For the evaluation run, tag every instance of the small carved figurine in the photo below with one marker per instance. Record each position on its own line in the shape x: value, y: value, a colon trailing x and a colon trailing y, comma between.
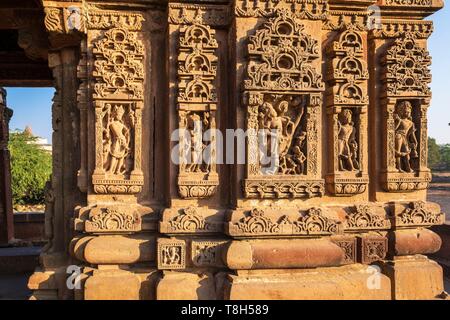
x: 405, y: 137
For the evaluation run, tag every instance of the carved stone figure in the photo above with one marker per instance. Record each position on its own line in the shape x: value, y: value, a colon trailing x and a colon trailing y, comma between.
x: 405, y: 137
x: 348, y: 147
x: 117, y: 140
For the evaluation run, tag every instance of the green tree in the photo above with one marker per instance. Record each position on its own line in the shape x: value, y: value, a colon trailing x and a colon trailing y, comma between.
x: 445, y: 156
x: 434, y: 153
x: 31, y: 167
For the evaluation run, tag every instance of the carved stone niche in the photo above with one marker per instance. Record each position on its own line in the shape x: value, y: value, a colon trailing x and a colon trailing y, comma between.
x: 314, y: 222
x: 197, y: 106
x: 171, y: 254
x: 283, y: 97
x: 407, y: 98
x: 118, y: 99
x: 347, y: 103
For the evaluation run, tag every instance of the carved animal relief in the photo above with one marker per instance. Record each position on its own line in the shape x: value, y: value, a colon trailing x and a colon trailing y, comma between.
x: 283, y: 98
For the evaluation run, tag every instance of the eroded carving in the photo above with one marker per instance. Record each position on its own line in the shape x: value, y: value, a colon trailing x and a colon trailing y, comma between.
x: 171, y: 254
x: 112, y: 220
x: 419, y: 214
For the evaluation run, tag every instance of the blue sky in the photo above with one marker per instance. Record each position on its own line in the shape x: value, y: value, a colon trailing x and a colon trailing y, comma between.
x: 32, y: 106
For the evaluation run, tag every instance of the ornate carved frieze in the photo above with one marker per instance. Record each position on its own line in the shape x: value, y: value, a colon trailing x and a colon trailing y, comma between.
x: 255, y: 223
x: 190, y: 220
x: 406, y: 82
x: 212, y: 15
x: 372, y: 249
x: 197, y: 106
x: 422, y: 29
x: 171, y: 254
x: 118, y: 76
x: 283, y: 96
x: 301, y: 9
x: 417, y: 214
x: 364, y: 217
x: 114, y: 219
x: 105, y: 19
x: 347, y: 102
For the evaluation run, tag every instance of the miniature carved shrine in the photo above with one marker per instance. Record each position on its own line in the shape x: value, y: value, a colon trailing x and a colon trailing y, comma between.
x: 318, y: 193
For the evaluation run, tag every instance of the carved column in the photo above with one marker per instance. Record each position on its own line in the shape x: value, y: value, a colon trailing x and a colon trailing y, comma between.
x: 6, y: 210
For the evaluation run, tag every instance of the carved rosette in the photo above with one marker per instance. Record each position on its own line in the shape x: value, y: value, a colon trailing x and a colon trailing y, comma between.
x: 197, y: 107
x: 283, y: 96
x: 255, y: 223
x: 372, y: 249
x: 406, y: 82
x: 347, y: 102
x: 118, y: 74
x: 349, y: 246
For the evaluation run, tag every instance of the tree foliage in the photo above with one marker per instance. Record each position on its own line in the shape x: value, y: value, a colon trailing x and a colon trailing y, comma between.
x: 31, y: 168
x: 434, y: 153
x: 438, y: 155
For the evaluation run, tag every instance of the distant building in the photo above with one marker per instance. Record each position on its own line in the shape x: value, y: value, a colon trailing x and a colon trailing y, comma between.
x: 41, y: 142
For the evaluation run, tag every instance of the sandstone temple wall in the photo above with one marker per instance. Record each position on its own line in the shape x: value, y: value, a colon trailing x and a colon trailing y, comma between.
x: 345, y: 88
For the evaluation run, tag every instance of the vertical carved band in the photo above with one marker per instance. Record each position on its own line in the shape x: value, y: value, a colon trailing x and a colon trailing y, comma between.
x: 197, y: 106
x: 347, y: 102
x: 118, y: 74
x: 407, y: 97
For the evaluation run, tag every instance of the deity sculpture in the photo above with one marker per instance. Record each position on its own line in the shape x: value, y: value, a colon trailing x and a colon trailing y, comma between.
x: 279, y: 130
x: 196, y: 126
x: 347, y: 145
x: 171, y: 255
x: 117, y: 135
x: 405, y: 137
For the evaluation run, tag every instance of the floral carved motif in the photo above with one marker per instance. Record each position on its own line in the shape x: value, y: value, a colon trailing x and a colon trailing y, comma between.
x: 111, y: 220
x: 418, y: 214
x: 256, y: 223
x: 118, y: 98
x: 197, y: 105
x: 189, y: 220
x: 372, y: 249
x: 282, y: 93
x: 363, y: 217
x: 348, y: 245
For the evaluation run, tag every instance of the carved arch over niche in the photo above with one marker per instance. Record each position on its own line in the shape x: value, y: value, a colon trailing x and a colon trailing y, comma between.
x: 283, y: 97
x: 407, y: 98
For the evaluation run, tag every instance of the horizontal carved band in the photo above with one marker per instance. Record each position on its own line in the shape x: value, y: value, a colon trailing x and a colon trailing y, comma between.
x: 264, y: 189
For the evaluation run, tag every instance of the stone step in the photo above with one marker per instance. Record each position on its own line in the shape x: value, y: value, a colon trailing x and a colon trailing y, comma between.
x: 16, y: 260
